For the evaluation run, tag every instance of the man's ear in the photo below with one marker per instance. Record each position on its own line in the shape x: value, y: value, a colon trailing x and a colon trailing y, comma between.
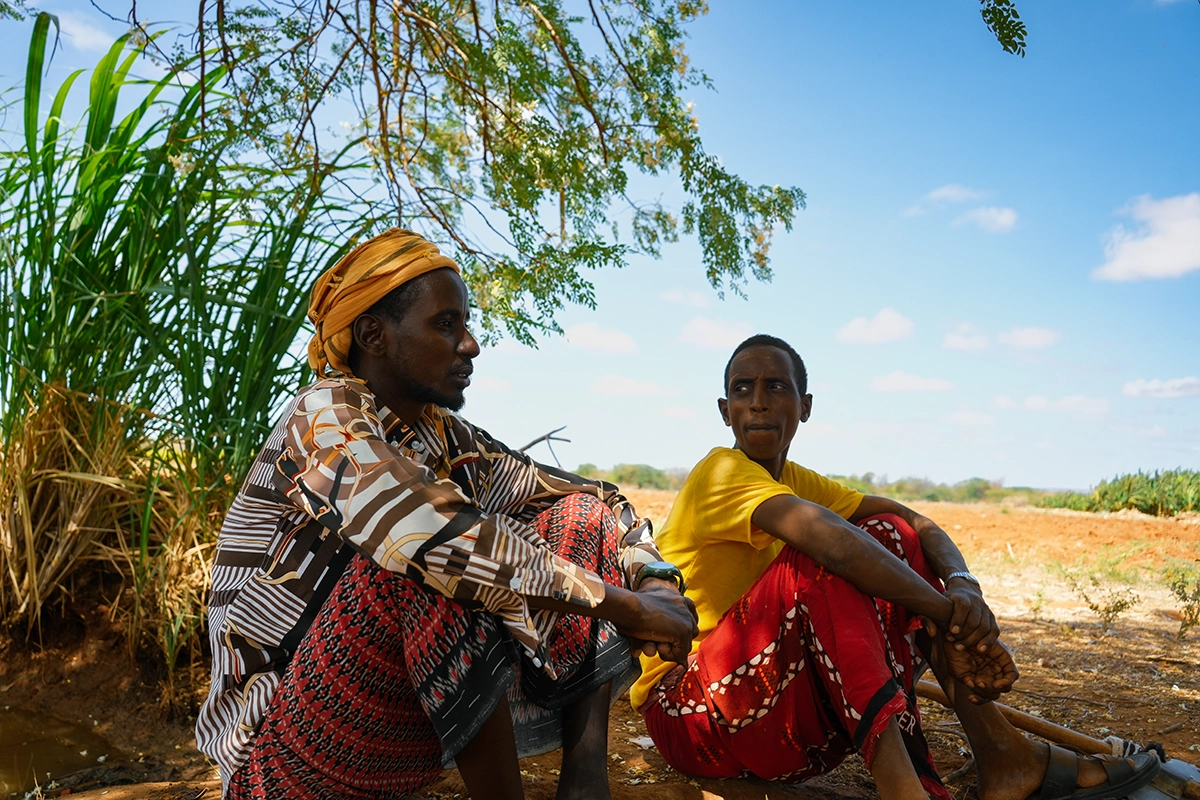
x: 368, y: 334
x: 723, y: 405
x: 805, y: 407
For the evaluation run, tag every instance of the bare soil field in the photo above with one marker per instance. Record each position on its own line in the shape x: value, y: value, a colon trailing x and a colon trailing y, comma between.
x: 1137, y: 680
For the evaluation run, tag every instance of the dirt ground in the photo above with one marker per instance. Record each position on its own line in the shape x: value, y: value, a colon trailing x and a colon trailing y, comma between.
x: 1136, y: 681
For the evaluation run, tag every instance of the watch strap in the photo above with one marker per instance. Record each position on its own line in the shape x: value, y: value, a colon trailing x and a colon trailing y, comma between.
x: 663, y: 570
x: 962, y: 573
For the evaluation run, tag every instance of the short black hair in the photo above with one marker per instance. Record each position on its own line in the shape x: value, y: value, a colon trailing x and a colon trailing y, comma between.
x: 799, y: 373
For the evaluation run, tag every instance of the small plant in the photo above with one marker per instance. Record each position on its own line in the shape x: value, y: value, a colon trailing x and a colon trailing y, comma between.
x: 1107, y: 603
x: 1184, y: 582
x: 1036, y: 604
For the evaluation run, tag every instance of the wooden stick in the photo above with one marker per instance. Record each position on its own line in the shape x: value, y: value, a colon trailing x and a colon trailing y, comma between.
x: 1027, y: 722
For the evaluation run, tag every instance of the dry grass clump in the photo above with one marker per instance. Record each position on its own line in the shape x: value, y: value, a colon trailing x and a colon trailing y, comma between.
x: 155, y: 286
x: 66, y: 480
x: 80, y: 495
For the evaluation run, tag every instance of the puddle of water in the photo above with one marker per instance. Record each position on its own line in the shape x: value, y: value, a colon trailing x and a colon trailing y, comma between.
x: 35, y: 749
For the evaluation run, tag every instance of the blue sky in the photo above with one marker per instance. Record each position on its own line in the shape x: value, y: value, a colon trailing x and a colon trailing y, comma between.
x: 997, y: 275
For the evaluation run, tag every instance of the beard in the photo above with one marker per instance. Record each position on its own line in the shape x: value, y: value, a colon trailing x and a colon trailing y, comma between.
x: 453, y: 400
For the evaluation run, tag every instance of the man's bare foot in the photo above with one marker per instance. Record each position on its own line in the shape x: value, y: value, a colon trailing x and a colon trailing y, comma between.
x: 1009, y: 765
x: 1019, y: 782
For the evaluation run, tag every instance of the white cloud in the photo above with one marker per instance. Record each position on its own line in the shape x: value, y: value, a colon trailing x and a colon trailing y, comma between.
x: 1004, y: 402
x: 1090, y: 407
x: 490, y: 384
x: 903, y: 382
x: 684, y: 298
x: 971, y: 419
x: 889, y: 325
x: 990, y: 218
x: 1166, y: 243
x: 1173, y: 387
x: 716, y: 333
x: 946, y: 195
x: 84, y: 32
x: 591, y: 336
x: 966, y: 337
x: 1032, y: 338
x: 680, y: 412
x: 628, y: 387
x: 954, y: 193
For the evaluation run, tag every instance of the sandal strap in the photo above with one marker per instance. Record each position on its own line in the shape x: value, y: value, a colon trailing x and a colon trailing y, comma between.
x: 1062, y: 771
x: 1118, y: 770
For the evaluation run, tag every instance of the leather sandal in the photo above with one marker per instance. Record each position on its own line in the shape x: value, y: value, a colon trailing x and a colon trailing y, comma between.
x: 1125, y: 775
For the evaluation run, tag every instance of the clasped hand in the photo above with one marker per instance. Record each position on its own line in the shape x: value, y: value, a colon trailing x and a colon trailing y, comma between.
x: 666, y: 623
x: 972, y: 624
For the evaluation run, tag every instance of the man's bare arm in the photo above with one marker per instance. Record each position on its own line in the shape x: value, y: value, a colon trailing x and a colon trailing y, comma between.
x: 972, y: 623
x: 850, y: 553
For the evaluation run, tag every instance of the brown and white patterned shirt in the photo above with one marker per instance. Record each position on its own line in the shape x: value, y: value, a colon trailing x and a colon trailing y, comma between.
x: 440, y: 502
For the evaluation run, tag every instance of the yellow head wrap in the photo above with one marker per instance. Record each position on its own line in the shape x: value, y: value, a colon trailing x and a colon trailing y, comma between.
x: 354, y: 284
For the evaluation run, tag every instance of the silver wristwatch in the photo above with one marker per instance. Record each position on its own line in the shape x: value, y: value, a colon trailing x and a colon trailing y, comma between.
x: 962, y: 573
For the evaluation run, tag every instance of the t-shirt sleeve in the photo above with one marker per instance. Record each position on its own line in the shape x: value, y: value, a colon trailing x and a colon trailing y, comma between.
x: 816, y: 488
x: 729, y: 490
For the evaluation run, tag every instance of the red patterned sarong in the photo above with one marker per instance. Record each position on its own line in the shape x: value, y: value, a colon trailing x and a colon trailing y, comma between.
x: 391, y: 681
x: 803, y: 670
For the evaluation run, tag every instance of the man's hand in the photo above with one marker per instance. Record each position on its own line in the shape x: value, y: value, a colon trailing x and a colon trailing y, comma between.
x: 972, y: 624
x: 986, y: 673
x: 664, y: 621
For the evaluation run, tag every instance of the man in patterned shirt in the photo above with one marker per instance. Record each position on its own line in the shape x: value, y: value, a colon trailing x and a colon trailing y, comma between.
x: 394, y: 590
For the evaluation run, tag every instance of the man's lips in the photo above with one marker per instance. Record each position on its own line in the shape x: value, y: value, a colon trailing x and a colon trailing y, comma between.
x: 462, y: 374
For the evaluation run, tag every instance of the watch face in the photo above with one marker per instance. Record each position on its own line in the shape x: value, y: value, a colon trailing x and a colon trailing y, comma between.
x: 663, y: 570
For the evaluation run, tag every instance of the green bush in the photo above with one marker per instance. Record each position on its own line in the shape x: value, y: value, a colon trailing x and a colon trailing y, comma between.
x: 1106, y: 602
x: 1162, y: 494
x: 1184, y: 582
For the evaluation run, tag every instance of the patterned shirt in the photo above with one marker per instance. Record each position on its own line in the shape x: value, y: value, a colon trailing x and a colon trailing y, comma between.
x: 440, y: 502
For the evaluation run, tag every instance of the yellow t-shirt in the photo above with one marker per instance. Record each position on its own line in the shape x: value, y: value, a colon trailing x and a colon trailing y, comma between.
x: 708, y: 535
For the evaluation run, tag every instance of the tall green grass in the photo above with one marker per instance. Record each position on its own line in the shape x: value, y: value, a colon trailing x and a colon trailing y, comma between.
x: 1162, y: 494
x: 156, y: 283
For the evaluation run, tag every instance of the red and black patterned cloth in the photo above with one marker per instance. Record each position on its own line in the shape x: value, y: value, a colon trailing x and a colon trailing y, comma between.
x: 440, y: 502
x: 392, y: 680
x: 803, y: 670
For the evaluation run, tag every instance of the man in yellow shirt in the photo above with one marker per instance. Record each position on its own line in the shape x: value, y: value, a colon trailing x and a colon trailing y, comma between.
x: 817, y: 605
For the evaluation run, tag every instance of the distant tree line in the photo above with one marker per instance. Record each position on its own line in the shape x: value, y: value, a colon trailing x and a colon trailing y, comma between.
x: 643, y: 476
x: 972, y: 490
x: 1164, y: 493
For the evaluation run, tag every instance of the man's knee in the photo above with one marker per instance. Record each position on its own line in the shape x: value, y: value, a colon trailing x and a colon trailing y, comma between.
x: 587, y: 506
x: 892, y: 531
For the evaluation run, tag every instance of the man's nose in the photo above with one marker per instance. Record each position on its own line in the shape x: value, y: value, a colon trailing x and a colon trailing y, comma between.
x: 468, y: 346
x: 758, y: 401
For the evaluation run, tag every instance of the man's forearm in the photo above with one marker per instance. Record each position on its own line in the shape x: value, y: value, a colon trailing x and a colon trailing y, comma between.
x: 940, y: 551
x: 849, y: 553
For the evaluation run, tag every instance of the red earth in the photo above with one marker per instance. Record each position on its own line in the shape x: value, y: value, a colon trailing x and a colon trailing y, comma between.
x: 1138, y: 680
